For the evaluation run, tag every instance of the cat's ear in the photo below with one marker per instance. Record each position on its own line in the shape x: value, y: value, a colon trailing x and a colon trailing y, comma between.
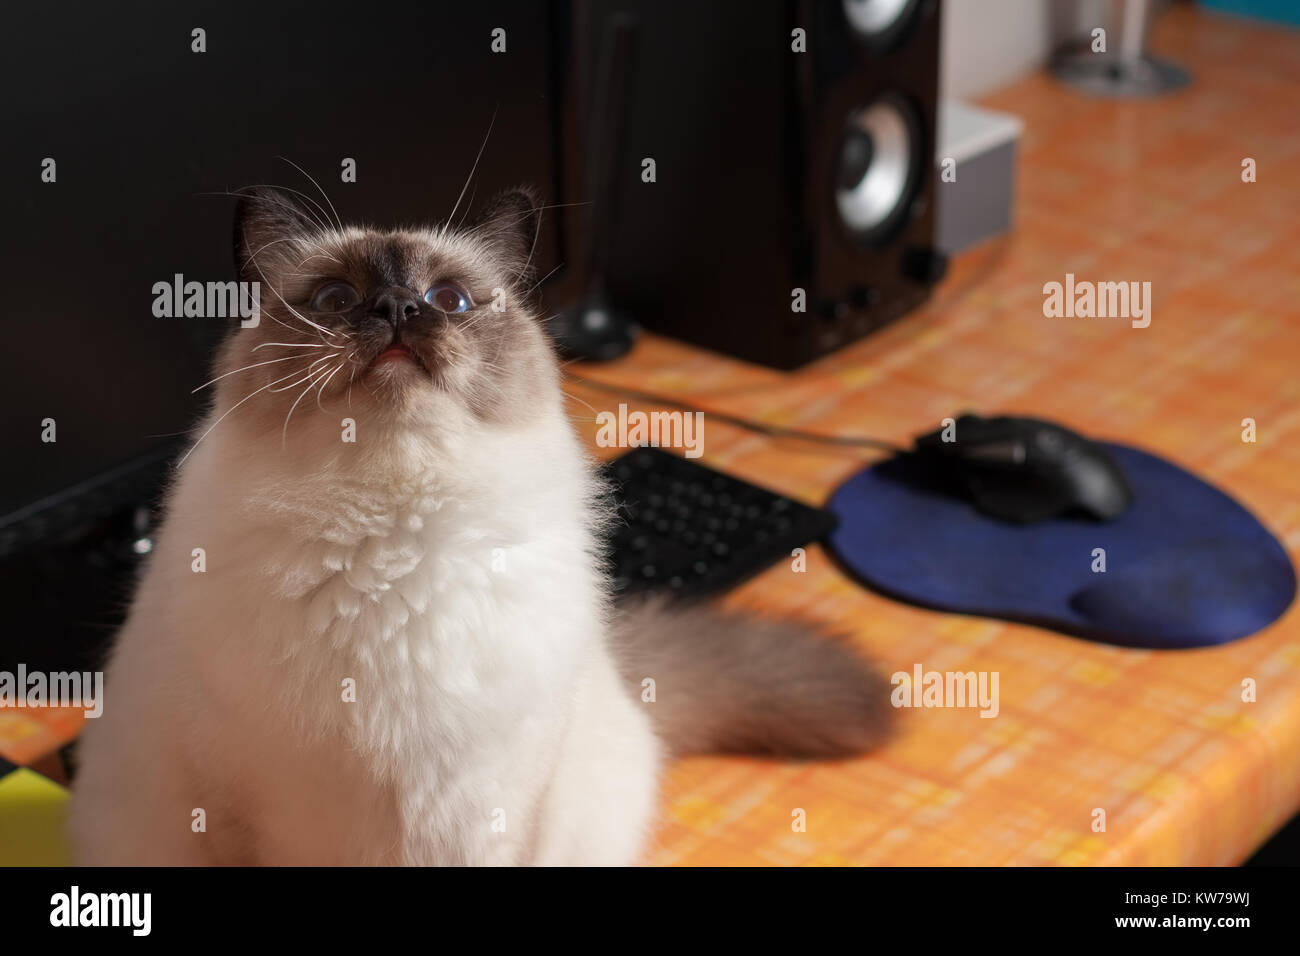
x: 510, y: 226
x: 264, y: 217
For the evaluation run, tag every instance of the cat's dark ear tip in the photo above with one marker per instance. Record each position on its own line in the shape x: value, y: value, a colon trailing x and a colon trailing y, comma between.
x: 264, y: 214
x: 268, y: 201
x: 511, y: 210
x: 525, y: 197
x: 251, y: 204
x: 511, y: 223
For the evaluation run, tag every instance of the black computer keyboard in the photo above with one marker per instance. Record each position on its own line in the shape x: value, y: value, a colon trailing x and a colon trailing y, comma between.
x: 688, y: 530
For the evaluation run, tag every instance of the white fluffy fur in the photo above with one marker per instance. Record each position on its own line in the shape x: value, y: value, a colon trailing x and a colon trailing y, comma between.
x: 489, y: 725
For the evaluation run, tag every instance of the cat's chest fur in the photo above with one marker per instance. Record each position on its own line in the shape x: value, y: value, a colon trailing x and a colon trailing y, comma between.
x: 419, y: 644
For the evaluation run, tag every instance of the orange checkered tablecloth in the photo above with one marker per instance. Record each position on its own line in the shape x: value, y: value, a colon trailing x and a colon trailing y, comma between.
x: 1186, y: 772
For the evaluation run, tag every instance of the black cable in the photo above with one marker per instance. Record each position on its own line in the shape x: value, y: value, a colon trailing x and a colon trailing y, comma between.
x: 772, y: 431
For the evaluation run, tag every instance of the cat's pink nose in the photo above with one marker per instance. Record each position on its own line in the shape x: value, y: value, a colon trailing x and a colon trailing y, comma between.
x: 394, y: 304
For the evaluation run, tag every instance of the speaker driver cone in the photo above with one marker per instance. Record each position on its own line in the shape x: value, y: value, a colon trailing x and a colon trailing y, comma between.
x: 879, y: 23
x: 878, y: 168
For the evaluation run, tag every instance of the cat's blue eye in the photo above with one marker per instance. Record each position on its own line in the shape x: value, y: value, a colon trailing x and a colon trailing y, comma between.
x: 448, y: 297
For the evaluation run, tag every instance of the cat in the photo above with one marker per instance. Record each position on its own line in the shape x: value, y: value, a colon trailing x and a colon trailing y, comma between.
x: 375, y: 627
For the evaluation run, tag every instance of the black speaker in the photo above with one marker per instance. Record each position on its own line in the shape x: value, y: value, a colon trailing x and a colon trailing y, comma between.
x: 773, y: 188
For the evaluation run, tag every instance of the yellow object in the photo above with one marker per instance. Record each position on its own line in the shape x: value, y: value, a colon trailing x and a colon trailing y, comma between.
x: 32, y: 816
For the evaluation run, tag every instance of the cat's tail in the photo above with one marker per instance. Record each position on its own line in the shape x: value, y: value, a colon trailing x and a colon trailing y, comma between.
x: 731, y: 683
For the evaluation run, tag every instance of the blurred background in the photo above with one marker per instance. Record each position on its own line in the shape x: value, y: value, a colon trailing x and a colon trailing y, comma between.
x: 828, y: 225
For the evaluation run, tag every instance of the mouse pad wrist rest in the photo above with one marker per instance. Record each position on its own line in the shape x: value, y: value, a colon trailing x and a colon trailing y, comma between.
x: 1185, y: 565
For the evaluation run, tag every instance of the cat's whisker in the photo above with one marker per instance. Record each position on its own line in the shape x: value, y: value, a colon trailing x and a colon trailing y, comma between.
x: 322, y: 254
x: 243, y: 191
x: 541, y: 280
x: 296, y: 345
x: 310, y: 370
x: 533, y: 248
x: 323, y: 342
x: 253, y: 260
x: 593, y: 410
x: 522, y: 216
x: 231, y: 409
x: 475, y: 321
x: 320, y: 221
x: 472, y: 169
x: 473, y: 193
x: 245, y: 369
x: 284, y: 325
x: 293, y: 311
x: 312, y: 381
x: 321, y: 389
x: 324, y: 195
x: 319, y: 328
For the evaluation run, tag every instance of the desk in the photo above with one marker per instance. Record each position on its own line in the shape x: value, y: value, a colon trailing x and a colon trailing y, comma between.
x: 1186, y: 772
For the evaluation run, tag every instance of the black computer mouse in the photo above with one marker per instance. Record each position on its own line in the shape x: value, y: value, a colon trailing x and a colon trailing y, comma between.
x: 1025, y: 469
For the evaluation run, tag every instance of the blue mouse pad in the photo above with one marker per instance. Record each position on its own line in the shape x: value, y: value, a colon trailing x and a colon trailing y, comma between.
x: 1185, y: 565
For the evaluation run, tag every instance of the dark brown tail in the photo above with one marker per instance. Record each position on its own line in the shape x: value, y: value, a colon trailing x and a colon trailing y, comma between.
x: 727, y: 683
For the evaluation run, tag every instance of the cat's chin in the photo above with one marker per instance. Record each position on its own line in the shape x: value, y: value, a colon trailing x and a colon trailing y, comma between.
x: 397, y: 371
x: 395, y: 366
x: 405, y: 386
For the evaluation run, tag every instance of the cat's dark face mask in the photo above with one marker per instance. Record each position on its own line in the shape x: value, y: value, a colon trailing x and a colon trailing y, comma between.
x: 389, y: 319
